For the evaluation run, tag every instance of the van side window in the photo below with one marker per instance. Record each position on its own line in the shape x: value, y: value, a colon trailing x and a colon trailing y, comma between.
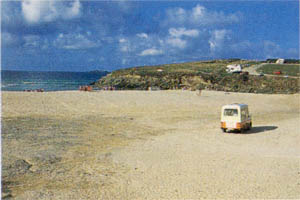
x: 230, y: 112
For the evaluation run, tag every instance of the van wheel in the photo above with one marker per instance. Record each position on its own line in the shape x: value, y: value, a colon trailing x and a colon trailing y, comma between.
x: 224, y: 130
x: 249, y: 127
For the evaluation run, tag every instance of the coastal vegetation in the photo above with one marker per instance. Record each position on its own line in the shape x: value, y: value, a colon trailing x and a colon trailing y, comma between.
x: 286, y: 69
x: 210, y: 75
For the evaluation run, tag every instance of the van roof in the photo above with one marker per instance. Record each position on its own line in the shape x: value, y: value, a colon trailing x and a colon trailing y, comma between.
x: 235, y: 105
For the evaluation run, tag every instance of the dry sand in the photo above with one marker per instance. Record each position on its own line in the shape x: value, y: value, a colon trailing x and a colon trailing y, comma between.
x: 147, y: 145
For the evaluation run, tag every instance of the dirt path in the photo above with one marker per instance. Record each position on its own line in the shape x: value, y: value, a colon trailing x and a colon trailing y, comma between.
x: 252, y: 69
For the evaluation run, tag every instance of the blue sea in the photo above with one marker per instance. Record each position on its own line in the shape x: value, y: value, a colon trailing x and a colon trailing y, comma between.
x: 49, y: 81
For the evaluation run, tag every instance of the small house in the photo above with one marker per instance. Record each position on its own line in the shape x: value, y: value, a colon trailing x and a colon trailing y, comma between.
x: 234, y: 68
x: 280, y: 61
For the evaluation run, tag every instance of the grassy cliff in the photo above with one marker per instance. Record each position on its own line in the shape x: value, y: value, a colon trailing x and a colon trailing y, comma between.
x: 197, y: 75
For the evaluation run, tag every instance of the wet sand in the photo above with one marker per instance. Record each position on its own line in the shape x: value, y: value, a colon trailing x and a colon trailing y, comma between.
x: 147, y: 145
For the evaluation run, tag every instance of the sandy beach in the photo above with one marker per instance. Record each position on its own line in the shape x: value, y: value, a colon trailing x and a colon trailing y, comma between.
x: 147, y: 145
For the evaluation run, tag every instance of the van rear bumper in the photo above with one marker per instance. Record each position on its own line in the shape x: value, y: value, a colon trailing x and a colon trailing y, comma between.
x: 231, y: 125
x: 235, y: 126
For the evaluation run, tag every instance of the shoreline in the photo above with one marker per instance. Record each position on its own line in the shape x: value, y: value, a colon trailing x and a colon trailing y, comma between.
x: 171, y: 90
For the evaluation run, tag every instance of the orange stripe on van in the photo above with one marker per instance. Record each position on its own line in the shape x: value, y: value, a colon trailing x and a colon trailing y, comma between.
x: 239, y: 125
x: 223, y: 124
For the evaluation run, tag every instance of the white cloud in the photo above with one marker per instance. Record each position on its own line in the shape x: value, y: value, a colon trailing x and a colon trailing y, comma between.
x: 151, y: 52
x: 198, y: 16
x: 73, y: 10
x: 31, y: 41
x: 8, y: 39
x: 178, y: 15
x: 175, y: 37
x: 27, y: 41
x: 125, y: 48
x: 45, y: 44
x: 142, y: 35
x: 241, y: 45
x: 74, y: 41
x: 271, y: 49
x: 198, y: 12
x: 125, y: 45
x: 35, y: 11
x: 218, y: 37
x: 125, y: 61
x: 183, y: 32
x: 122, y: 40
x: 176, y: 42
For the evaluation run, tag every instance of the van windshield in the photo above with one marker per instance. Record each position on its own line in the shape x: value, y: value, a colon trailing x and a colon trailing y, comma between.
x: 230, y: 112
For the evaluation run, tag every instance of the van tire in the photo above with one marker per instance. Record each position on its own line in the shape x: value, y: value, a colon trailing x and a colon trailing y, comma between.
x: 249, y: 126
x: 224, y: 130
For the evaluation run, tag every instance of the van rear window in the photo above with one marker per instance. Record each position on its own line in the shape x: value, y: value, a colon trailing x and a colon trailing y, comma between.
x: 230, y: 112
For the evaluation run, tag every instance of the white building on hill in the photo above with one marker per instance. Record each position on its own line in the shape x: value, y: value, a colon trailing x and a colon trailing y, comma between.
x: 280, y: 61
x: 234, y: 68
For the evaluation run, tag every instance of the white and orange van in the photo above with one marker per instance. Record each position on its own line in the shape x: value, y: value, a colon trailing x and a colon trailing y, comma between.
x: 235, y: 117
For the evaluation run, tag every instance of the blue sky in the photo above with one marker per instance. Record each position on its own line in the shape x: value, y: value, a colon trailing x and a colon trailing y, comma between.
x: 88, y: 35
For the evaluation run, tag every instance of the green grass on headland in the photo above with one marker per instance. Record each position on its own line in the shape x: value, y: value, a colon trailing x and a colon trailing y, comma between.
x: 209, y: 75
x: 286, y: 69
x: 213, y: 66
